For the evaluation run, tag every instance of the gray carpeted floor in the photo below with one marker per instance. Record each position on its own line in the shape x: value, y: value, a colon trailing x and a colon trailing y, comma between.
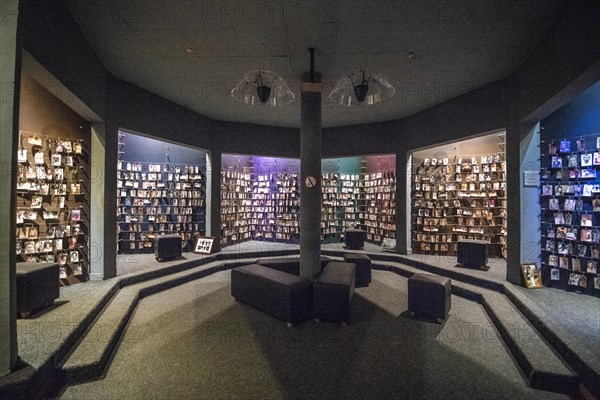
x: 195, y: 341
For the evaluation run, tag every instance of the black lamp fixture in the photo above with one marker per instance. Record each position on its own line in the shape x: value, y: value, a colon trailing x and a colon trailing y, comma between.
x: 263, y: 87
x: 362, y: 87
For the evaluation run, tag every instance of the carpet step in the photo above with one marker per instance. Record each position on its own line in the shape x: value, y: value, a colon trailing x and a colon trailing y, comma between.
x: 91, y: 356
x: 541, y: 365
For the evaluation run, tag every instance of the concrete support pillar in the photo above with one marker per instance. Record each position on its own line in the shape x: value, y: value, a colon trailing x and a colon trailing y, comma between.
x: 97, y: 210
x: 109, y: 184
x: 10, y: 65
x: 213, y: 198
x: 310, y: 176
x: 513, y: 206
x: 402, y: 177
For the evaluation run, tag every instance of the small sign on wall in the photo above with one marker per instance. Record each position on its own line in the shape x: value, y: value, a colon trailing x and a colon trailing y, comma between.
x: 531, y: 178
x: 203, y: 245
x: 310, y: 181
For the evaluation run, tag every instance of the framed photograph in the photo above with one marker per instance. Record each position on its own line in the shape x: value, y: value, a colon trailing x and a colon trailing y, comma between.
x: 555, y: 274
x: 559, y: 218
x: 580, y: 144
x: 596, y: 158
x: 203, y: 245
x: 570, y: 205
x: 592, y: 267
x: 553, y: 204
x: 557, y: 162
x: 574, y: 279
x: 34, y: 141
x: 22, y: 155
x: 581, y: 250
x: 553, y: 260
x: 552, y: 148
x: 532, y: 275
x: 39, y: 158
x: 67, y: 146
x: 576, y: 264
x: 77, y: 148
x: 586, y: 220
x: 563, y: 262
x: 565, y: 146
x: 588, y: 173
x: 583, y: 281
x: 586, y: 160
x: 572, y: 160
x: 550, y: 246
x: 564, y: 248
x: 597, y: 282
x: 56, y: 160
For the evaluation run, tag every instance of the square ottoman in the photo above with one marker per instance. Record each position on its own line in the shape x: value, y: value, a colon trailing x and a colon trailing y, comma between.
x: 355, y: 238
x: 167, y: 247
x: 332, y: 292
x: 473, y: 253
x: 363, y: 268
x: 37, y: 286
x: 429, y: 295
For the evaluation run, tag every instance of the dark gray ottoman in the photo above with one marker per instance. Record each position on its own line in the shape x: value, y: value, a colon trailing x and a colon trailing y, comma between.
x: 363, y: 268
x: 429, y: 295
x: 284, y: 296
x: 37, y: 286
x: 473, y: 253
x: 167, y: 247
x: 355, y: 238
x: 291, y: 265
x: 332, y: 292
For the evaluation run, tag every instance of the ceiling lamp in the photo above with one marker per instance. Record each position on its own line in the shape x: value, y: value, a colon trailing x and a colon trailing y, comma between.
x: 362, y: 87
x: 263, y: 87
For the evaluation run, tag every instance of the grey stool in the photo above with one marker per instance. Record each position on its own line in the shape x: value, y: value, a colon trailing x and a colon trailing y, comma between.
x: 38, y: 285
x: 363, y: 268
x: 429, y: 295
x: 332, y: 292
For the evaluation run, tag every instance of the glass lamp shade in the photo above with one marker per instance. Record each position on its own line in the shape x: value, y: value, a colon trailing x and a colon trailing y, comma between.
x: 362, y: 88
x: 260, y: 87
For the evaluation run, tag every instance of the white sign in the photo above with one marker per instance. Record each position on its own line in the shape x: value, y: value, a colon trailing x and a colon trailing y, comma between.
x: 531, y: 178
x: 310, y: 181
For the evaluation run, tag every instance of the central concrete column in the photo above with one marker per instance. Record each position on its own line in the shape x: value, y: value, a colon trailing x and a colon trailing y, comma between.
x: 10, y: 62
x: 310, y: 178
x: 213, y: 198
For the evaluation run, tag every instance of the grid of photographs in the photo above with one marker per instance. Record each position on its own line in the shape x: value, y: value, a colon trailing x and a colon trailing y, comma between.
x: 48, y: 171
x: 460, y: 198
x: 570, y: 202
x: 155, y: 199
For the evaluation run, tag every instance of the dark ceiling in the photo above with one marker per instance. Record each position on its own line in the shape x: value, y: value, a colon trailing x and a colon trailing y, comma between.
x: 193, y: 52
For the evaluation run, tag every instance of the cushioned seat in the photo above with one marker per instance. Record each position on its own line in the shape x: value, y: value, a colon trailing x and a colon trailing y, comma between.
x: 363, y: 268
x: 333, y: 290
x: 473, y: 253
x: 291, y: 265
x: 429, y: 295
x: 284, y: 296
x: 355, y: 238
x: 37, y: 286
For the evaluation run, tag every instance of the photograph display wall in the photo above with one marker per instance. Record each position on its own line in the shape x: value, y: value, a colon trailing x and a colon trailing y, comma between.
x: 161, y: 190
x: 260, y: 199
x: 458, y: 198
x: 570, y: 195
x: 53, y: 184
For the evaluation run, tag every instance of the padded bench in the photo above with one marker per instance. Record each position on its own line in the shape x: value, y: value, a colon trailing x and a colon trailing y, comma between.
x: 429, y: 295
x: 363, y: 268
x: 284, y: 296
x: 291, y: 265
x: 332, y: 292
x: 37, y: 286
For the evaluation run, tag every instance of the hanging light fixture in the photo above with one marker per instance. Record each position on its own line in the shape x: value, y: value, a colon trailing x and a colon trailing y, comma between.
x: 263, y: 87
x: 362, y: 87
